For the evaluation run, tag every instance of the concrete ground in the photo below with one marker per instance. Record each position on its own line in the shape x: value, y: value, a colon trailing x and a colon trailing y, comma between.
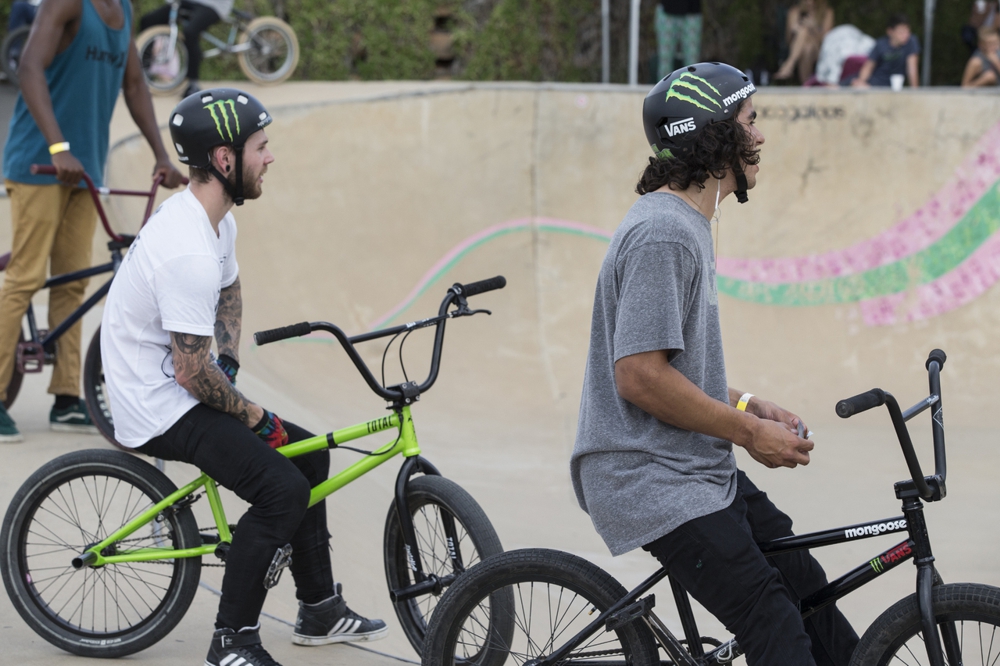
x: 382, y: 195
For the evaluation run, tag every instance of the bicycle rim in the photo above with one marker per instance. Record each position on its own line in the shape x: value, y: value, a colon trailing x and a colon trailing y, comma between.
x: 104, y: 602
x: 165, y: 69
x: 978, y: 640
x: 269, y: 56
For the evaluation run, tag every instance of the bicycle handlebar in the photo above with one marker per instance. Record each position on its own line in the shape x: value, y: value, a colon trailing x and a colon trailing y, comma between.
x: 876, y: 397
x: 50, y: 170
x: 457, y: 293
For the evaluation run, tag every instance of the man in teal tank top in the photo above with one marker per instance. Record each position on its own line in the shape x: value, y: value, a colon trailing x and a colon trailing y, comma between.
x: 79, y: 55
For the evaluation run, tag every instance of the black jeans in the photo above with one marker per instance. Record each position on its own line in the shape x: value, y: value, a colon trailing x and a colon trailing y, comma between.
x: 716, y: 559
x: 199, y: 19
x: 277, y: 489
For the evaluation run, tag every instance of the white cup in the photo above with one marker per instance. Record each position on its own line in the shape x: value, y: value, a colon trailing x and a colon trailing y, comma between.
x: 896, y: 82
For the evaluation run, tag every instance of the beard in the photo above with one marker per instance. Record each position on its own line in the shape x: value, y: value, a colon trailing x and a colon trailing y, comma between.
x: 251, y: 186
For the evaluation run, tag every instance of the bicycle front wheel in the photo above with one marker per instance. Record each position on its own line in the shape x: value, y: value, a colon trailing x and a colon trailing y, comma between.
x: 165, y: 68
x: 71, y: 503
x: 972, y: 610
x: 432, y: 501
x: 10, y: 51
x: 95, y: 391
x: 525, y: 604
x: 272, y: 50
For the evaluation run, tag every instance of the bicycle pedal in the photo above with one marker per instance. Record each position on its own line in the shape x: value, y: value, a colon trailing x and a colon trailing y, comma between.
x: 31, y: 357
x: 282, y: 559
x: 630, y: 613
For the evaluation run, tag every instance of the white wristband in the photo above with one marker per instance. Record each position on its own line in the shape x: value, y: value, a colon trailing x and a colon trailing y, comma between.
x: 744, y: 401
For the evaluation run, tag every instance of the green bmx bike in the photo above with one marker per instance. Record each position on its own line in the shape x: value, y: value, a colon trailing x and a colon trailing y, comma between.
x: 101, y: 555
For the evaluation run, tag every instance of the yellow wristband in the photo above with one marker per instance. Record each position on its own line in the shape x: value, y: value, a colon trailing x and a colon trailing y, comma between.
x: 744, y: 401
x: 56, y: 148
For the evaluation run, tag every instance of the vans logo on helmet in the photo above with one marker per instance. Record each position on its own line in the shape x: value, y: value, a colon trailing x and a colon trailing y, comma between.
x: 688, y: 88
x: 220, y: 105
x: 680, y: 127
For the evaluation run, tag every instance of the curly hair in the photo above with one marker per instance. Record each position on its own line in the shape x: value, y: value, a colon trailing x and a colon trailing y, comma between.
x: 719, y: 147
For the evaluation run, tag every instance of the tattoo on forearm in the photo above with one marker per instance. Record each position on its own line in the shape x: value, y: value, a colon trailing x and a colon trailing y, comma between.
x: 203, y: 378
x: 228, y: 320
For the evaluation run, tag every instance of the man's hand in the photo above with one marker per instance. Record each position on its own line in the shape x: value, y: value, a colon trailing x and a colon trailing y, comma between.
x: 764, y: 409
x: 271, y: 430
x: 171, y: 176
x: 68, y: 169
x: 772, y: 445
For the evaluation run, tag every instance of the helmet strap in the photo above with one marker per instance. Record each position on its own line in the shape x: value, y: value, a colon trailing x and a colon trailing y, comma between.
x: 741, y: 185
x: 235, y: 192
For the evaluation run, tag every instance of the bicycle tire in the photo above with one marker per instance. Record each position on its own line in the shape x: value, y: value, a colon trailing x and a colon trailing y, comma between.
x: 10, y: 52
x: 896, y: 635
x: 427, y: 497
x: 532, y: 588
x: 164, y: 73
x: 95, y: 392
x: 16, y: 378
x: 257, y: 62
x: 104, y: 612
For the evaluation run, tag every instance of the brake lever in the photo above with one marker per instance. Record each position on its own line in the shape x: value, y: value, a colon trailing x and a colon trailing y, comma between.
x: 466, y: 312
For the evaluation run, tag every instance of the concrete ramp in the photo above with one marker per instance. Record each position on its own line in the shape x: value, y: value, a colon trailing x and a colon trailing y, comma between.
x: 869, y: 241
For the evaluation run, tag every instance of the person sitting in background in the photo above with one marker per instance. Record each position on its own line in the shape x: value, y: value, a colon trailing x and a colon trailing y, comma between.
x: 808, y: 22
x: 677, y: 22
x: 895, y: 53
x: 984, y: 14
x: 983, y: 68
x: 201, y: 15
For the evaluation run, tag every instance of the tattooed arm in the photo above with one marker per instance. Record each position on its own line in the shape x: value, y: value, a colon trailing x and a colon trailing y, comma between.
x: 228, y: 321
x: 195, y: 371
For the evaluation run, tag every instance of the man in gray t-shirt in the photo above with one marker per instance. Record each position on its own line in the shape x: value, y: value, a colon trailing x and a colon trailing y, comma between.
x: 653, y: 463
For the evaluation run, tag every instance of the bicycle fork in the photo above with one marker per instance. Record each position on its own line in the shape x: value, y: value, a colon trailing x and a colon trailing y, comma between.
x: 424, y: 583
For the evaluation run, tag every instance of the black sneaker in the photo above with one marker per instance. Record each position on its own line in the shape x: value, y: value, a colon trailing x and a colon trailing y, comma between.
x: 191, y: 89
x: 331, y: 621
x: 243, y: 648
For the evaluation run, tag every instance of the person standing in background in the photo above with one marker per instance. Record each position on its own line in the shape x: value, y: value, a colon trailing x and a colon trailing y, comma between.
x: 983, y: 68
x: 677, y: 22
x: 984, y: 14
x: 896, y: 53
x: 198, y: 16
x: 78, y: 57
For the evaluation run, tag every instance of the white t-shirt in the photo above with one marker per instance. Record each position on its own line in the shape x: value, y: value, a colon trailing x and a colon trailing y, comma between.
x: 168, y: 282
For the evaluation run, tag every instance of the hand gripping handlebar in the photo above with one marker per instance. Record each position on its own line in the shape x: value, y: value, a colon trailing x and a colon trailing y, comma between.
x: 457, y: 293
x: 929, y: 488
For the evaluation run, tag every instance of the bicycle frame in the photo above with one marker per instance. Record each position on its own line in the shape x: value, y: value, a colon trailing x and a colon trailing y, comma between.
x: 228, y: 46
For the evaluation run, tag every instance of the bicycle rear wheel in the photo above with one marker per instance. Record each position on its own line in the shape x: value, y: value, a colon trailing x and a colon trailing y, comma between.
x: 525, y: 604
x: 273, y: 52
x: 66, y: 506
x: 10, y: 51
x: 896, y: 636
x: 432, y: 499
x: 95, y: 391
x: 165, y: 69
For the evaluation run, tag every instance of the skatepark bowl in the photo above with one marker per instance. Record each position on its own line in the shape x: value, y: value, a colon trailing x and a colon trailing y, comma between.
x: 870, y: 239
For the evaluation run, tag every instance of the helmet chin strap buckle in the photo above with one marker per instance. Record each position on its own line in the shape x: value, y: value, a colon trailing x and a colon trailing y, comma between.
x: 741, y: 186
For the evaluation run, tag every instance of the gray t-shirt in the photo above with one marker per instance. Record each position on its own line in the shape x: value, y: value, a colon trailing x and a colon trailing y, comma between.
x: 221, y: 7
x: 638, y: 477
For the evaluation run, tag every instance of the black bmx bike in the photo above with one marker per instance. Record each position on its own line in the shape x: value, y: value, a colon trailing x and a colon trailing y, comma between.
x: 538, y: 607
x: 36, y: 348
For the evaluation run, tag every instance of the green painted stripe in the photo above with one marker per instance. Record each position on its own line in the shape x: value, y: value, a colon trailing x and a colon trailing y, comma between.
x: 981, y: 222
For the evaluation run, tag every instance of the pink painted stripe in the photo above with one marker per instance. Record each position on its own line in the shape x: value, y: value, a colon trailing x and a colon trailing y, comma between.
x: 979, y: 171
x: 968, y: 281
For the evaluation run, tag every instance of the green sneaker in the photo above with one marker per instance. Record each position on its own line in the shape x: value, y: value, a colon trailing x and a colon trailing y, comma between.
x: 72, y: 419
x: 8, y: 431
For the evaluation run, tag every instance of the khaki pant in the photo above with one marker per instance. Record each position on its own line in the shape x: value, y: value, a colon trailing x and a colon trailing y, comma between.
x: 52, y: 224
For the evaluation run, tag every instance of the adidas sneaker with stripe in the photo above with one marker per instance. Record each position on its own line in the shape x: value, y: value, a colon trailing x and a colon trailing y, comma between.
x: 238, y: 648
x: 331, y: 621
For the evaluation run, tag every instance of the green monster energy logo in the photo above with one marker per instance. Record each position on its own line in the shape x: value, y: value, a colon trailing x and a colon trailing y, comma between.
x: 686, y: 82
x: 877, y: 565
x: 221, y: 106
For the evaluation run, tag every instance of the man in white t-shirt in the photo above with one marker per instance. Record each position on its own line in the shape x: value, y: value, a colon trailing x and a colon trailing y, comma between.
x: 176, y: 290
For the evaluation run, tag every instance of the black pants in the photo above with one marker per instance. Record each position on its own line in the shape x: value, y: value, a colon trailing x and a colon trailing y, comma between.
x: 277, y: 489
x: 199, y: 19
x: 716, y: 559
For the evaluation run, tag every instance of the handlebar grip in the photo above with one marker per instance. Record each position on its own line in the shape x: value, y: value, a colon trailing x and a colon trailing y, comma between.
x: 43, y: 169
x: 936, y: 355
x: 481, y: 287
x: 283, y: 333
x: 860, y: 403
